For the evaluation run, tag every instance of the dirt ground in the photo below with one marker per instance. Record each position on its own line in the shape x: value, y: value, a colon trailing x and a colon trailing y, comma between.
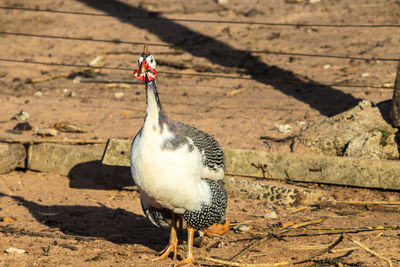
x: 59, y: 225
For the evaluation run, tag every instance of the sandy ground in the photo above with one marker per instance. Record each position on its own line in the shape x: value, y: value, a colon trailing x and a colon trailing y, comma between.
x: 58, y: 225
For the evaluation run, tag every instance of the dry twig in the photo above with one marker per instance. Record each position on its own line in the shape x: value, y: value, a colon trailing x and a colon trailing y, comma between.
x: 369, y: 202
x: 270, y: 235
x: 283, y: 263
x: 358, y: 243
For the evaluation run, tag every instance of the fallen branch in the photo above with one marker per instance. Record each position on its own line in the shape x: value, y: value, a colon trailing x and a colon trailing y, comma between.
x: 358, y: 243
x: 58, y: 141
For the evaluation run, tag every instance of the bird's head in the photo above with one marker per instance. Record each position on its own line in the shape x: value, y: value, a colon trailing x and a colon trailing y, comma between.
x: 147, y: 66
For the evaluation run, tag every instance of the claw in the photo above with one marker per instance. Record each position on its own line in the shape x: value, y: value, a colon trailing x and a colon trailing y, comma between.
x: 217, y: 229
x: 188, y: 260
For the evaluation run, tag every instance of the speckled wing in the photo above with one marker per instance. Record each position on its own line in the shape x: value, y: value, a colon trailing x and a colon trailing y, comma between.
x: 213, y: 157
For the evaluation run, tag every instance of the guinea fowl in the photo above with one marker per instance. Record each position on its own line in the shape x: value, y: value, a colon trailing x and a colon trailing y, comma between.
x: 178, y: 170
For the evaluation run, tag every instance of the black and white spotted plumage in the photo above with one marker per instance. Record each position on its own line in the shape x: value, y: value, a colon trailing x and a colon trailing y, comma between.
x: 212, y: 155
x: 209, y: 213
x: 177, y: 167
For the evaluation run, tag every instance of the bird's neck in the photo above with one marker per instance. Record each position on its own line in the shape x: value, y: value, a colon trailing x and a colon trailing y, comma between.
x: 155, y: 116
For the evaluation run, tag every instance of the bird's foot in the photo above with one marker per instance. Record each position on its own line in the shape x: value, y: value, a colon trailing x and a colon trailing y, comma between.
x: 217, y: 229
x: 166, y: 251
x: 188, y: 260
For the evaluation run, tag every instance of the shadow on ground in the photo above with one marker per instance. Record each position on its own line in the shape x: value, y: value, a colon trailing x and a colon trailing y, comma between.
x: 95, y: 175
x: 327, y: 100
x: 115, y: 225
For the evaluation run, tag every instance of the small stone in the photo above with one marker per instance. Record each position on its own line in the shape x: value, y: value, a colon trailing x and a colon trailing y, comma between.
x: 77, y: 79
x: 23, y: 126
x: 197, y: 242
x: 314, y: 1
x: 283, y: 128
x: 222, y: 2
x: 118, y: 94
x: 326, y: 66
x: 365, y: 74
x: 15, y: 250
x: 38, y: 94
x: 46, y: 132
x: 21, y: 116
x: 71, y: 94
x: 67, y: 127
x: 271, y: 215
x: 97, y: 62
x: 241, y: 228
x: 253, y: 12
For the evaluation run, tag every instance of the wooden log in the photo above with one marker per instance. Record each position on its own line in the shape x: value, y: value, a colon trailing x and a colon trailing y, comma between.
x: 82, y: 163
x: 11, y: 156
x: 297, y: 167
x: 395, y: 106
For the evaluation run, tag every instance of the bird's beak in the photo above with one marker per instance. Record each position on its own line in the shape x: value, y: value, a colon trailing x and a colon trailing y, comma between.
x: 143, y: 67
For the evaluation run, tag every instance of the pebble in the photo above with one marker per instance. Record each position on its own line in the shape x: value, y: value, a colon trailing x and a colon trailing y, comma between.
x: 271, y: 215
x: 46, y: 132
x: 118, y: 94
x: 283, y: 128
x: 241, y: 228
x: 21, y: 116
x: 97, y: 62
x: 16, y: 250
x: 38, y: 94
x: 71, y: 94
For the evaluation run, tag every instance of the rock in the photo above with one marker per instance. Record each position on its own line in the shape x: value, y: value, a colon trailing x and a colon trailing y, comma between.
x: 271, y: 215
x: 67, y: 127
x: 241, y: 228
x: 363, y: 131
x: 38, y: 94
x: 71, y: 94
x: 197, y: 242
x: 119, y: 94
x: 21, y: 116
x: 283, y: 128
x: 253, y: 12
x: 15, y: 250
x: 23, y: 126
x: 366, y: 145
x: 97, y: 62
x: 222, y: 2
x: 46, y: 132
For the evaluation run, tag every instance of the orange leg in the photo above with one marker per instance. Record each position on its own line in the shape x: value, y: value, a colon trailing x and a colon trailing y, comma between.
x: 189, y: 258
x: 217, y: 229
x: 173, y: 242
